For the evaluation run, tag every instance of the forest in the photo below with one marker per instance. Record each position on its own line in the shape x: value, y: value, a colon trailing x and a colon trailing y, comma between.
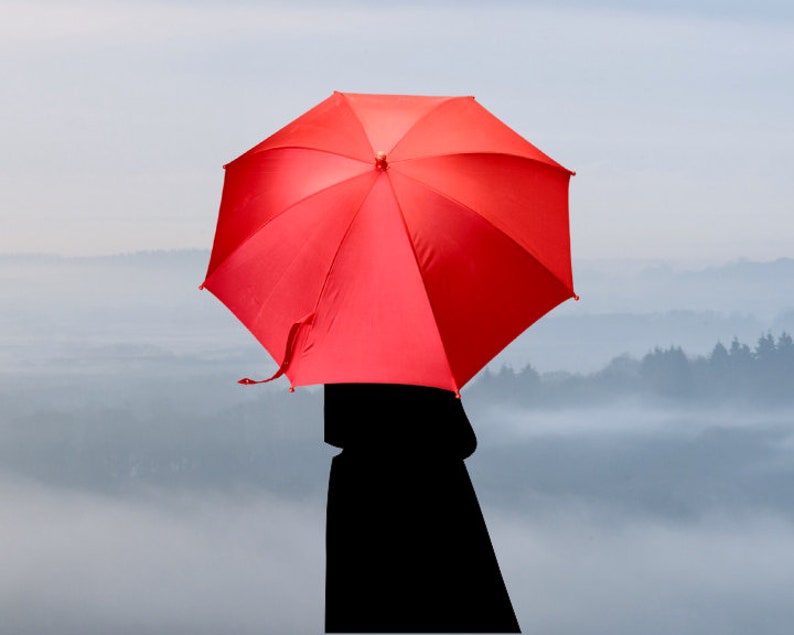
x: 738, y: 374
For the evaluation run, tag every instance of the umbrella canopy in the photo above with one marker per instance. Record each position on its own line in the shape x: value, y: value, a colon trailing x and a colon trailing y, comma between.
x: 391, y: 239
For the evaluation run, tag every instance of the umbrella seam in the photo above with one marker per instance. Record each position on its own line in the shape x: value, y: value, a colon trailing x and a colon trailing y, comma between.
x: 472, y: 98
x: 553, y: 165
x: 309, y: 324
x: 424, y: 285
x: 336, y: 256
x: 499, y: 229
x: 425, y: 116
x: 272, y: 218
x: 243, y: 158
x: 445, y: 100
x: 349, y: 105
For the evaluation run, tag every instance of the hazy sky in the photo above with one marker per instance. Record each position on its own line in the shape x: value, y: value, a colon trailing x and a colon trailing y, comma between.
x: 117, y: 116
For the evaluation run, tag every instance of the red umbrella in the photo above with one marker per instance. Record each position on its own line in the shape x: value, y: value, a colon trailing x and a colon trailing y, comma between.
x: 391, y: 239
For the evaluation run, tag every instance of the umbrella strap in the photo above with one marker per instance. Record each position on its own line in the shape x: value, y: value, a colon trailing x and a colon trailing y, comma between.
x: 292, y: 337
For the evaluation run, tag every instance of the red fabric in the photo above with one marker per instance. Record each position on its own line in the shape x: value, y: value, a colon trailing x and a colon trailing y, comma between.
x: 417, y: 268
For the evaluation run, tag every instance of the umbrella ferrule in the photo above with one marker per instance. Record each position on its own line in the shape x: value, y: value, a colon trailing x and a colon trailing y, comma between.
x: 380, y: 161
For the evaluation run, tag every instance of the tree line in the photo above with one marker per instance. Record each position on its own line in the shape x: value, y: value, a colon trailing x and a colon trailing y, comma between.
x: 759, y: 375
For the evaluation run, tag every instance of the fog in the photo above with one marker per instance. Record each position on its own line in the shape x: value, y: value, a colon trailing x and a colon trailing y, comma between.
x: 175, y: 562
x: 144, y: 491
x: 163, y: 561
x: 571, y: 573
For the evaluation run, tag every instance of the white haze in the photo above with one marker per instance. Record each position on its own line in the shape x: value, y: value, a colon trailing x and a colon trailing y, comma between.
x: 173, y: 562
x: 675, y: 115
x: 162, y: 562
x: 145, y: 493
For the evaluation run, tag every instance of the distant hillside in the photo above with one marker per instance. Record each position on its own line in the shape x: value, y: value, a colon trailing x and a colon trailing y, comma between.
x: 758, y: 375
x: 761, y: 288
x: 632, y: 307
x: 153, y: 298
x: 118, y: 370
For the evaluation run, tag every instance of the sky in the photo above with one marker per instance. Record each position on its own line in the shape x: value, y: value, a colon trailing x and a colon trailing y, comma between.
x: 117, y: 116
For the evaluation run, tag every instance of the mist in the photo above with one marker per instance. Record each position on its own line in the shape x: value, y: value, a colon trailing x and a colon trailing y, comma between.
x: 175, y: 562
x: 144, y: 491
x: 162, y: 561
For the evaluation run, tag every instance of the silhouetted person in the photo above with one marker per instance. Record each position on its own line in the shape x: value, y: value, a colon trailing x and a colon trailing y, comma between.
x: 406, y: 544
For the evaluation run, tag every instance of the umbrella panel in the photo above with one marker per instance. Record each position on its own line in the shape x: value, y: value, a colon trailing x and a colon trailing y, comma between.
x: 484, y: 288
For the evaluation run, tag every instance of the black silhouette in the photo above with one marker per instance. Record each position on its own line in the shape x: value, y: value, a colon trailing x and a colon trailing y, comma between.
x: 407, y: 547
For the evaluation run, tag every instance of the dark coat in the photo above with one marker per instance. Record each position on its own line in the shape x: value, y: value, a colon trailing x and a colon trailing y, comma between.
x: 406, y: 544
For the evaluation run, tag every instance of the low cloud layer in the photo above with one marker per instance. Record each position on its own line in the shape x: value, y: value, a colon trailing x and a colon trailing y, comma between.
x: 167, y: 563
x: 160, y: 563
x: 576, y: 572
x: 145, y: 493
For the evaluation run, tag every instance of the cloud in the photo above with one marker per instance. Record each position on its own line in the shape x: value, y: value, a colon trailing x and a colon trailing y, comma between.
x: 632, y: 462
x: 92, y: 23
x: 573, y: 572
x: 167, y: 562
x: 122, y: 113
x: 170, y: 563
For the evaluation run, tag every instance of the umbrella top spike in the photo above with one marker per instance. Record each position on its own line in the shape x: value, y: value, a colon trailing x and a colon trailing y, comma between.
x: 380, y: 161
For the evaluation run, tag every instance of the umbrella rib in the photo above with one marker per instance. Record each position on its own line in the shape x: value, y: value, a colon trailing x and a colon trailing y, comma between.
x: 425, y: 116
x: 553, y: 165
x: 281, y: 213
x: 424, y: 285
x: 253, y: 154
x: 309, y: 318
x: 499, y: 229
x: 339, y: 248
x: 347, y: 103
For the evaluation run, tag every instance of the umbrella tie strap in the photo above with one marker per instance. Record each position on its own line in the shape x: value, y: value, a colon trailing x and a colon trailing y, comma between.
x: 292, y: 337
